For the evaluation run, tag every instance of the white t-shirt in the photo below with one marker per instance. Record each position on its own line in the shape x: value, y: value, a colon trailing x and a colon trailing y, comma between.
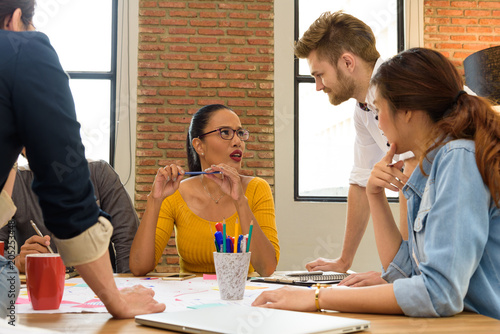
x: 370, y: 145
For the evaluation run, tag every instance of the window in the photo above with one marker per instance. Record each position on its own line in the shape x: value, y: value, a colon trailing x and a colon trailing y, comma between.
x: 324, y: 134
x: 83, y: 33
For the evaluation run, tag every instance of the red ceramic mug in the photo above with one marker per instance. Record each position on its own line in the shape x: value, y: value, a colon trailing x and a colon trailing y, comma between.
x: 45, y: 275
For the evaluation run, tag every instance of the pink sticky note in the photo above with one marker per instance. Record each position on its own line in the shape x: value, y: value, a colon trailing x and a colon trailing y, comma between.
x: 209, y: 277
x: 21, y: 301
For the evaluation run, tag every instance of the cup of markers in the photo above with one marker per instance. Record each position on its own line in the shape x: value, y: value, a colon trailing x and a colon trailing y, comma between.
x: 228, y: 244
x: 232, y: 260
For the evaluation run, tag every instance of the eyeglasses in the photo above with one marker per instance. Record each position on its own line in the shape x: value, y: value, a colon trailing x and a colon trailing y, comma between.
x: 228, y: 133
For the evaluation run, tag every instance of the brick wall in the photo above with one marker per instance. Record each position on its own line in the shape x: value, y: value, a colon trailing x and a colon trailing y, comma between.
x: 194, y: 53
x: 460, y: 28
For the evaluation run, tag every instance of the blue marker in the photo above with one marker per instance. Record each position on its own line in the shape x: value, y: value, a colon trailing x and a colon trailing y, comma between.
x: 240, y: 241
x: 229, y: 245
x: 219, y: 241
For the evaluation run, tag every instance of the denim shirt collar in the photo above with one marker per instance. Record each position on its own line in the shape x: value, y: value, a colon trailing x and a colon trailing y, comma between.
x: 415, y: 184
x: 417, y: 181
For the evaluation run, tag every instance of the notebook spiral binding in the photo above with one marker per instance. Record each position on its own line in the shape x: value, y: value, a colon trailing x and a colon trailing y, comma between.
x: 334, y: 277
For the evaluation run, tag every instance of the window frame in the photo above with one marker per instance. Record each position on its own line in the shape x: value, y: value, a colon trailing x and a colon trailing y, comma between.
x: 298, y: 79
x: 107, y: 75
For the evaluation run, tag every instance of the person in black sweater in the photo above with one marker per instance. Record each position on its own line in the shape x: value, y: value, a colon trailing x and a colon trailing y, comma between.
x: 37, y: 112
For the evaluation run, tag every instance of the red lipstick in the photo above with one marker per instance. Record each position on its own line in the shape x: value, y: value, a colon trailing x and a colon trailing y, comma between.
x: 236, y: 155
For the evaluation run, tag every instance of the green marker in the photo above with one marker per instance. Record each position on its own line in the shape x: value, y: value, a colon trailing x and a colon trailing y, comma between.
x: 249, y: 236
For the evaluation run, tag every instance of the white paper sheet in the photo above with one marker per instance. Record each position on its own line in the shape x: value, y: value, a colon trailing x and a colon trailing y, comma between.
x: 177, y: 295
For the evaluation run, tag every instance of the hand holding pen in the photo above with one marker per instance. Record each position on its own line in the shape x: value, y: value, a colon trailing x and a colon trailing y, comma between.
x: 229, y: 183
x: 167, y: 181
x: 47, y: 242
x: 37, y: 243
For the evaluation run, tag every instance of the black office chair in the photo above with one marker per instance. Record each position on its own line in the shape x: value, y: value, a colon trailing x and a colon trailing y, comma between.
x: 482, y: 73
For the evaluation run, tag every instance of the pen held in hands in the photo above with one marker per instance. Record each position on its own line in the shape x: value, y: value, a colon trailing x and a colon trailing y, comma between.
x: 199, y: 173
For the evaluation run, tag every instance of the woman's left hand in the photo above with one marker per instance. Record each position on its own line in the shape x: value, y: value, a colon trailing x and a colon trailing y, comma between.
x: 288, y: 298
x: 386, y: 175
x: 363, y: 279
x: 229, y: 181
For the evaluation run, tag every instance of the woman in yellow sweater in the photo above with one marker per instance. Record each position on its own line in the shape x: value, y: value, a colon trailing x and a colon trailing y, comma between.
x: 215, y: 143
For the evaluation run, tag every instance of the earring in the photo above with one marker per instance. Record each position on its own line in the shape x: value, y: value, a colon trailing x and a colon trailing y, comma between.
x: 202, y: 153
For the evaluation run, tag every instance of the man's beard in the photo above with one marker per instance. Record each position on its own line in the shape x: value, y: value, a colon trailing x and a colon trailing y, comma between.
x: 345, y: 89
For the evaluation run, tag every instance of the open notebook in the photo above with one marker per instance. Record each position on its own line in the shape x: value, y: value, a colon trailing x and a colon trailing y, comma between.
x: 247, y: 320
x: 304, y: 278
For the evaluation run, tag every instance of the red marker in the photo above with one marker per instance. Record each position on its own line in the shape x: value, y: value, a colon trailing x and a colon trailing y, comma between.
x: 218, y: 227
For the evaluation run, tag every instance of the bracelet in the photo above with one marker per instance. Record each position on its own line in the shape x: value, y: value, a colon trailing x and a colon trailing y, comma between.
x: 316, y: 295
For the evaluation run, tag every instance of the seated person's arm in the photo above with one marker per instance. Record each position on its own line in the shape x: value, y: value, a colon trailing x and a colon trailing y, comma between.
x: 142, y: 253
x: 9, y: 184
x: 114, y: 200
x: 387, y: 234
x: 7, y: 207
x: 409, y: 166
x: 264, y: 244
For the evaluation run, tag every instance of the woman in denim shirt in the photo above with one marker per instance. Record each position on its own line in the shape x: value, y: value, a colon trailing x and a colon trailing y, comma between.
x: 451, y: 261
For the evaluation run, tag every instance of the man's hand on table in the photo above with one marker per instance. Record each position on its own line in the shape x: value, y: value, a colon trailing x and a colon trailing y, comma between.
x: 322, y: 264
x: 121, y: 304
x: 134, y: 301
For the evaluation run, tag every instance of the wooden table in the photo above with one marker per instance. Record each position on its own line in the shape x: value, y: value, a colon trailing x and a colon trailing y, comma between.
x: 102, y: 323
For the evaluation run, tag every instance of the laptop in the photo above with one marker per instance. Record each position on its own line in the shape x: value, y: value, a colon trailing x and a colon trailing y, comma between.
x: 250, y: 320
